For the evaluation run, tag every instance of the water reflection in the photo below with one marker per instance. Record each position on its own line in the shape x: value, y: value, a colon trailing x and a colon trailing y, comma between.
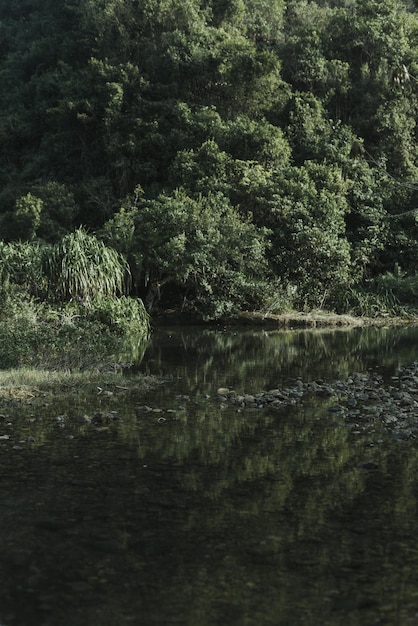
x: 212, y: 516
x: 254, y: 359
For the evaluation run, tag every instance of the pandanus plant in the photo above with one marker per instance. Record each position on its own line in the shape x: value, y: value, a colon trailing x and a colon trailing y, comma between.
x: 80, y: 267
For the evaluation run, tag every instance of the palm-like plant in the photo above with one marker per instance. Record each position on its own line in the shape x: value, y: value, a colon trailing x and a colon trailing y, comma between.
x: 80, y: 267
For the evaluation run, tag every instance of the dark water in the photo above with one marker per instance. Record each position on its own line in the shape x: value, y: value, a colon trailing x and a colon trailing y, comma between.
x: 207, y: 516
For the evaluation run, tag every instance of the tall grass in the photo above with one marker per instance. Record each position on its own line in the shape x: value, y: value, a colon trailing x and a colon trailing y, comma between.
x: 389, y: 294
x: 61, y: 306
x: 80, y: 267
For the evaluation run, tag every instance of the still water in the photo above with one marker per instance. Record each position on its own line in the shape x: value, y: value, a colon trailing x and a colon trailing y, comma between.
x: 200, y: 514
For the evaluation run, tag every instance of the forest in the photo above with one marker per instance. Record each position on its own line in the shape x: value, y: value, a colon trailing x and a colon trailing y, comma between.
x: 209, y: 156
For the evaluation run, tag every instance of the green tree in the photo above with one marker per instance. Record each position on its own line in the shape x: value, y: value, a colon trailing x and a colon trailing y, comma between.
x: 367, y: 227
x: 310, y: 250
x: 40, y: 41
x: 25, y: 218
x: 59, y: 213
x: 201, y: 249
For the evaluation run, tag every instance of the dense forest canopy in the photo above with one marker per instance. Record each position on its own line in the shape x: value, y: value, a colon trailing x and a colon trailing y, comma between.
x: 237, y: 153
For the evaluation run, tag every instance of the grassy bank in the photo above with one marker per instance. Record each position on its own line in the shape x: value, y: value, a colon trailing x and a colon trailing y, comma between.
x: 26, y: 384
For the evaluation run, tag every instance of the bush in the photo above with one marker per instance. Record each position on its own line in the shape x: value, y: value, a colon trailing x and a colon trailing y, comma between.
x: 124, y: 315
x: 83, y: 332
x: 73, y: 337
x: 81, y: 267
x: 21, y: 264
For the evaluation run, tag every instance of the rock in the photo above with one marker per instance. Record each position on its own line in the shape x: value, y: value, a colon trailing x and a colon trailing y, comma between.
x: 99, y: 418
x: 368, y: 465
x: 238, y: 401
x: 82, y: 419
x: 402, y: 435
x: 325, y: 391
x: 362, y: 396
x: 377, y: 403
x: 389, y: 419
x: 143, y: 409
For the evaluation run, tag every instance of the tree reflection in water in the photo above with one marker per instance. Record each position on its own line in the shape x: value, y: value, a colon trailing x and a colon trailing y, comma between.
x: 212, y: 516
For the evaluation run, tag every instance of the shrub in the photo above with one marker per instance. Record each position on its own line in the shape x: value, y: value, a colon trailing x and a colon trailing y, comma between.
x: 124, y: 315
x: 21, y: 264
x: 81, y: 267
x: 74, y: 337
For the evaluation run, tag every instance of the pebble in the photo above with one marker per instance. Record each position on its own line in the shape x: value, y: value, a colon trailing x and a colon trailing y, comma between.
x: 375, y: 401
x: 368, y: 465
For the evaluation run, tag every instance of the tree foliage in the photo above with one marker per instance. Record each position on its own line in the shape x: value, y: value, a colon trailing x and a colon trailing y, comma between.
x: 294, y: 122
x: 198, y: 248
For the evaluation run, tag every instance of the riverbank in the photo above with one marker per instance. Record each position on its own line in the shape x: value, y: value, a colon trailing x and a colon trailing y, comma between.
x: 316, y: 319
x: 357, y: 378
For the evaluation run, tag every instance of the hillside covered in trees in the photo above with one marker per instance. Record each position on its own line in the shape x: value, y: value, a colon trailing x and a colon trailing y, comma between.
x: 237, y: 154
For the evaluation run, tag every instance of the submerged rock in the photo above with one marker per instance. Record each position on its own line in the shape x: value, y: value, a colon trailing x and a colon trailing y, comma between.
x: 368, y: 465
x: 101, y: 418
x: 363, y: 398
x: 139, y: 410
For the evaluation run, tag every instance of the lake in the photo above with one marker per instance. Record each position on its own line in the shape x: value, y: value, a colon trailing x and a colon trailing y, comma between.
x: 202, y: 513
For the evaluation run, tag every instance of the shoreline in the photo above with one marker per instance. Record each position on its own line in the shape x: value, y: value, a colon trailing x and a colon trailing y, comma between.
x: 284, y: 321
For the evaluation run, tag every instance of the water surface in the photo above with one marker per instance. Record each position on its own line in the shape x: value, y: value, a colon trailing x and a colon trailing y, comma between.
x: 201, y: 514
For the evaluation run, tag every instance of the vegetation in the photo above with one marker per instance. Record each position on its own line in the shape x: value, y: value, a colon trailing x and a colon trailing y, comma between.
x: 81, y: 268
x: 60, y: 307
x: 237, y: 154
